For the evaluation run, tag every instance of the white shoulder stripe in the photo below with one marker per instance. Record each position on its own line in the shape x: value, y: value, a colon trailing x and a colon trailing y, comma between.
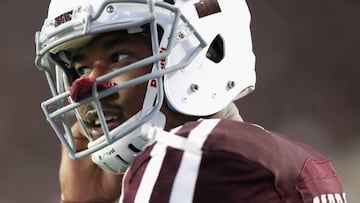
x: 185, y: 180
x: 151, y: 173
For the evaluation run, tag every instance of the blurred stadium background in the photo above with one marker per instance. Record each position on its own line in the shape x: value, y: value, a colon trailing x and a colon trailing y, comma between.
x: 308, y: 86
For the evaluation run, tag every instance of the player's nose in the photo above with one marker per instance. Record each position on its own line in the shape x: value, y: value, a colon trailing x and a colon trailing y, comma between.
x: 82, y: 88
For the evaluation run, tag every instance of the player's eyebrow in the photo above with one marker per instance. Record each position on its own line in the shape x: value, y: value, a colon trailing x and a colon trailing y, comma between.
x: 107, y: 44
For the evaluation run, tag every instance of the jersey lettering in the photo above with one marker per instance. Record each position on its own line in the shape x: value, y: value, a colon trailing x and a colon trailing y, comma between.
x: 330, y: 198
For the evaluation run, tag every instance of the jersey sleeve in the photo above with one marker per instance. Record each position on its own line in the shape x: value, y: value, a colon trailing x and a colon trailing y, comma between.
x: 239, y: 162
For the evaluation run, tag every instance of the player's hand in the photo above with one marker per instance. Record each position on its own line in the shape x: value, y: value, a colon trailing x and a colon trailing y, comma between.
x: 83, y: 181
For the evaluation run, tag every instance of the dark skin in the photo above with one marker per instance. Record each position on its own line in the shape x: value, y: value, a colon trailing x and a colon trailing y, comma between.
x: 81, y: 180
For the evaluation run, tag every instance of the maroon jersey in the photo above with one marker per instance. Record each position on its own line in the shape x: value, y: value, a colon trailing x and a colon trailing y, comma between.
x: 237, y: 162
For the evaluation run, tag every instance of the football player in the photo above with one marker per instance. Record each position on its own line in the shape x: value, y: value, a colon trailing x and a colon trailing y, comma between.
x: 142, y: 94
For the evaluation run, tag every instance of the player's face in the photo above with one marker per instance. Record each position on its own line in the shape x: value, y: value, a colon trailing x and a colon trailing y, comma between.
x: 105, y: 54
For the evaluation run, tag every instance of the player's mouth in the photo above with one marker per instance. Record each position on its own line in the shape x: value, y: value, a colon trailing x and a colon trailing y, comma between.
x: 111, y: 122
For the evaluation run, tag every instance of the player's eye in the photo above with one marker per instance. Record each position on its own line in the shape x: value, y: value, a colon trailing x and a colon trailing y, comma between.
x: 116, y: 57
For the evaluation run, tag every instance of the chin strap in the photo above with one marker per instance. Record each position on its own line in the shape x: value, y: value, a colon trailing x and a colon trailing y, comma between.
x: 116, y: 157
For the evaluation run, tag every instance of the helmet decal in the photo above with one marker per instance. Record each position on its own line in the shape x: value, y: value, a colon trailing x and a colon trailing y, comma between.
x: 207, y: 7
x: 63, y: 18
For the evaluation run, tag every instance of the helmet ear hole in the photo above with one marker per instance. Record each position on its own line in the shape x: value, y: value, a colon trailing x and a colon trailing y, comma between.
x: 216, y: 49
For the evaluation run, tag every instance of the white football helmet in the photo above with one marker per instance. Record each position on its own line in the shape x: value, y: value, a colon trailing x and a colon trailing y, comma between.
x: 202, y: 60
